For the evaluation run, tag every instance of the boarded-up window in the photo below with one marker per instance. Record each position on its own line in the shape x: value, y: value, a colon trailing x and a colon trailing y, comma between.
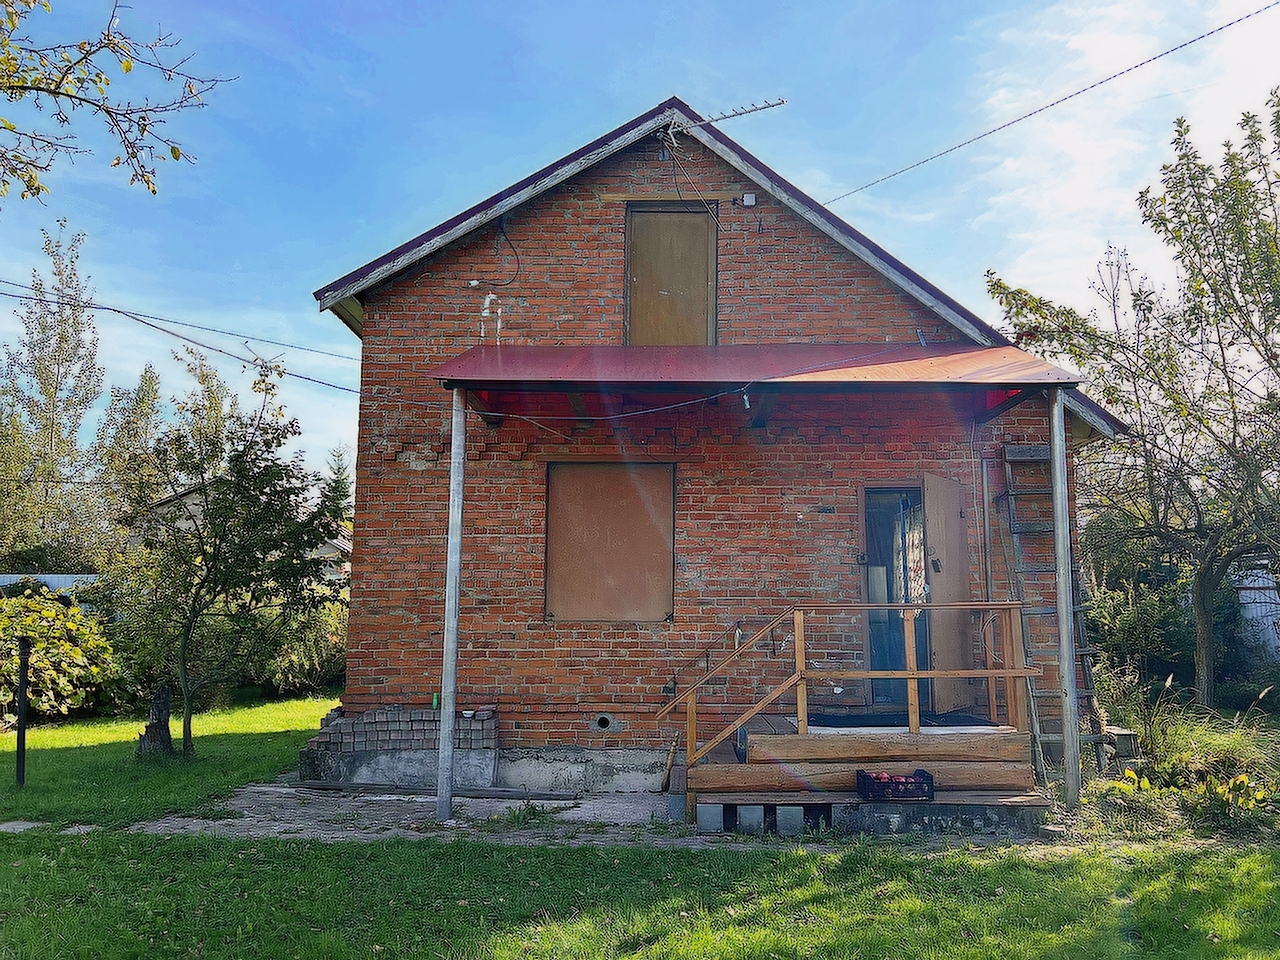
x: 671, y: 275
x: 610, y: 541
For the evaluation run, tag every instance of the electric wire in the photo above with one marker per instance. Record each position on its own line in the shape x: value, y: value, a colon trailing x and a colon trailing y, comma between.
x: 1050, y: 106
x: 93, y: 305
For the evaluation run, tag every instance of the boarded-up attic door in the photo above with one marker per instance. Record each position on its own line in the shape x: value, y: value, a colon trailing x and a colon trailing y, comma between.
x: 671, y: 275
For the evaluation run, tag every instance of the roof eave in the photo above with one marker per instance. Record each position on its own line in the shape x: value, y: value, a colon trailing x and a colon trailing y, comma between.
x: 383, y: 268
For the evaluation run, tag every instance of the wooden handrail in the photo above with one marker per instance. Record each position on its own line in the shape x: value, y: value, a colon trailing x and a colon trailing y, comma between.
x: 737, y: 652
x: 825, y: 608
x: 1017, y: 707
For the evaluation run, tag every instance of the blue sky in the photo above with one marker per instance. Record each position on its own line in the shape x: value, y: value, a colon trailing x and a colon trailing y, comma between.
x: 355, y: 126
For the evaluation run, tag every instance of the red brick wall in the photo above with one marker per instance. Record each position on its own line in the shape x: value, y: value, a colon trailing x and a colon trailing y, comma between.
x: 763, y: 515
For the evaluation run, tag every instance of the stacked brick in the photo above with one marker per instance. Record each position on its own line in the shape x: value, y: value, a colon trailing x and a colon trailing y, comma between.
x: 399, y: 728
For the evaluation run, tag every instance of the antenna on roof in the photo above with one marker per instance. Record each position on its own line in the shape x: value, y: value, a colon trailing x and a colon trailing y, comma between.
x: 739, y: 112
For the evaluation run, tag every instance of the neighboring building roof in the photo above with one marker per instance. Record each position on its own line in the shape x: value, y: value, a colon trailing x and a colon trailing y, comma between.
x: 839, y: 366
x: 342, y: 296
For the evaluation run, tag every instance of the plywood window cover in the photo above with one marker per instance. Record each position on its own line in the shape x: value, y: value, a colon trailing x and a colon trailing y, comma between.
x: 610, y: 553
x: 691, y: 207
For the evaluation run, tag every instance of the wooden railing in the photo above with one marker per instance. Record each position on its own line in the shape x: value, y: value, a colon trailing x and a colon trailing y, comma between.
x: 1007, y: 615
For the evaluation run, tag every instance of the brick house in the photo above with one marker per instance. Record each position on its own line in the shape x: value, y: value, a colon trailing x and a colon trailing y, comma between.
x: 728, y: 464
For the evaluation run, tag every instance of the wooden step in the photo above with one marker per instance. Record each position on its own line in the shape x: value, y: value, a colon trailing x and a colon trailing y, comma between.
x: 993, y: 798
x: 872, y: 747
x: 822, y: 777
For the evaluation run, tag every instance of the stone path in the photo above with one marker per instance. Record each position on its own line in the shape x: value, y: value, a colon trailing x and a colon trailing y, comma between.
x: 283, y: 810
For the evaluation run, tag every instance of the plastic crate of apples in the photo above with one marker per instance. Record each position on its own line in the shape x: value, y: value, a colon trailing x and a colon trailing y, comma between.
x: 878, y: 785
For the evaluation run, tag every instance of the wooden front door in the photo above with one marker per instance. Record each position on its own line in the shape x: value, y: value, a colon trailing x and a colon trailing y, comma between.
x: 946, y: 542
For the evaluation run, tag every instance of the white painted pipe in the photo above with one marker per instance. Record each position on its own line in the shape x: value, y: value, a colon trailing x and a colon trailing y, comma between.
x: 452, y: 595
x: 1066, y: 615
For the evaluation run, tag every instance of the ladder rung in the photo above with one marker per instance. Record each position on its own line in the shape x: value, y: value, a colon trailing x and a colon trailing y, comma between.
x: 1039, y: 611
x: 1032, y: 526
x: 1027, y: 453
x: 1030, y: 492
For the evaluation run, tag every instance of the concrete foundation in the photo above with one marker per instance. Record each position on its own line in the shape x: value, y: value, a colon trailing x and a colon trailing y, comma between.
x: 398, y: 747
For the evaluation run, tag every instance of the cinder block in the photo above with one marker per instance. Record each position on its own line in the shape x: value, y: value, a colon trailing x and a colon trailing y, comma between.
x: 790, y: 820
x: 751, y: 818
x: 711, y: 818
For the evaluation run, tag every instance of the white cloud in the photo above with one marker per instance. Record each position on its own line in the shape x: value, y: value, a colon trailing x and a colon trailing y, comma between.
x: 1062, y: 185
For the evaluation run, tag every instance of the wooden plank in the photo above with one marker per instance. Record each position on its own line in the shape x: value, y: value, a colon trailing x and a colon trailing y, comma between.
x: 1018, y: 693
x: 732, y: 728
x: 685, y: 197
x: 822, y: 777
x: 871, y: 747
x: 922, y: 674
x: 736, y: 652
x: 913, y: 685
x: 691, y: 726
x: 985, y: 798
x: 802, y: 688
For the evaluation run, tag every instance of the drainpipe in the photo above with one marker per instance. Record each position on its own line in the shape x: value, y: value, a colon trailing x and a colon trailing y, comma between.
x: 452, y: 590
x: 1062, y: 564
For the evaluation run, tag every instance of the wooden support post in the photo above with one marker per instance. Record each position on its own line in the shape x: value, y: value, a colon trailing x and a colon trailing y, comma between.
x: 1066, y: 616
x: 913, y: 684
x: 802, y: 688
x: 1018, y: 691
x: 988, y: 648
x: 452, y: 597
x: 690, y: 748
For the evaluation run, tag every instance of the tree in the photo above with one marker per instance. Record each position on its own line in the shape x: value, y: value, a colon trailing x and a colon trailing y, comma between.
x: 65, y: 79
x: 1197, y: 379
x: 52, y: 381
x: 1165, y: 483
x: 222, y: 564
x: 340, y: 480
x: 121, y: 452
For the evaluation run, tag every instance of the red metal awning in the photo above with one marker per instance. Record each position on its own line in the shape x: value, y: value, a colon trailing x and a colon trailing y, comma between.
x: 871, y: 366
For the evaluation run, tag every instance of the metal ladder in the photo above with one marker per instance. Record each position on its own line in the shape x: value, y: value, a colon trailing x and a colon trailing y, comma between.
x: 1023, y: 525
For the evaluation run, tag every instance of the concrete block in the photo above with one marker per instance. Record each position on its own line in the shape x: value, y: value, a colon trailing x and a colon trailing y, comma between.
x: 711, y: 818
x: 751, y: 818
x: 676, y: 806
x: 790, y: 820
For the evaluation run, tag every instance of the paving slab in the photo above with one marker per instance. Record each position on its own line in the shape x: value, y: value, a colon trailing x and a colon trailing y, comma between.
x: 76, y: 829
x: 19, y: 826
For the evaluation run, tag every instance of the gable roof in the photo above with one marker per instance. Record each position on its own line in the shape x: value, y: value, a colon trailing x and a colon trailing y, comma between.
x: 342, y: 296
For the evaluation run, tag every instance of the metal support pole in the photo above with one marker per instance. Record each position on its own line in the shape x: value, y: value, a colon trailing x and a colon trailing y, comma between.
x: 24, y: 670
x: 1066, y: 619
x: 452, y: 594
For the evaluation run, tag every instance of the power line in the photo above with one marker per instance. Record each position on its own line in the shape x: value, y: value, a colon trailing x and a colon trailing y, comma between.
x: 93, y: 305
x: 141, y: 318
x: 1050, y: 106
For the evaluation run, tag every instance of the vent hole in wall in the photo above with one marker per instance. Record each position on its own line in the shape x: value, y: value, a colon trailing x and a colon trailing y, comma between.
x: 602, y: 722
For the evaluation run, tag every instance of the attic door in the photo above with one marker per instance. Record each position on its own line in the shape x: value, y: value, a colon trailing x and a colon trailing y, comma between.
x: 671, y: 275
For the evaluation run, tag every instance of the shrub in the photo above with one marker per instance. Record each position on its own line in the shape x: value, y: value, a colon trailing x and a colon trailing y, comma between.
x: 1217, y: 770
x: 72, y: 665
x: 313, y: 654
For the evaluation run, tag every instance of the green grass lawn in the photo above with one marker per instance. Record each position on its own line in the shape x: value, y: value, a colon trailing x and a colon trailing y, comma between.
x: 113, y: 893
x: 118, y: 895
x: 88, y: 771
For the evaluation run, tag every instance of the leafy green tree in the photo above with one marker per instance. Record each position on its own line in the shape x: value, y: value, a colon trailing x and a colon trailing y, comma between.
x: 127, y: 433
x: 72, y: 664
x: 222, y: 564
x: 340, y: 480
x: 1166, y: 483
x: 64, y: 79
x: 52, y: 381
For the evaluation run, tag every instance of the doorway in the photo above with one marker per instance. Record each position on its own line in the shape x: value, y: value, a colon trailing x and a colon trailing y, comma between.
x: 895, y: 532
